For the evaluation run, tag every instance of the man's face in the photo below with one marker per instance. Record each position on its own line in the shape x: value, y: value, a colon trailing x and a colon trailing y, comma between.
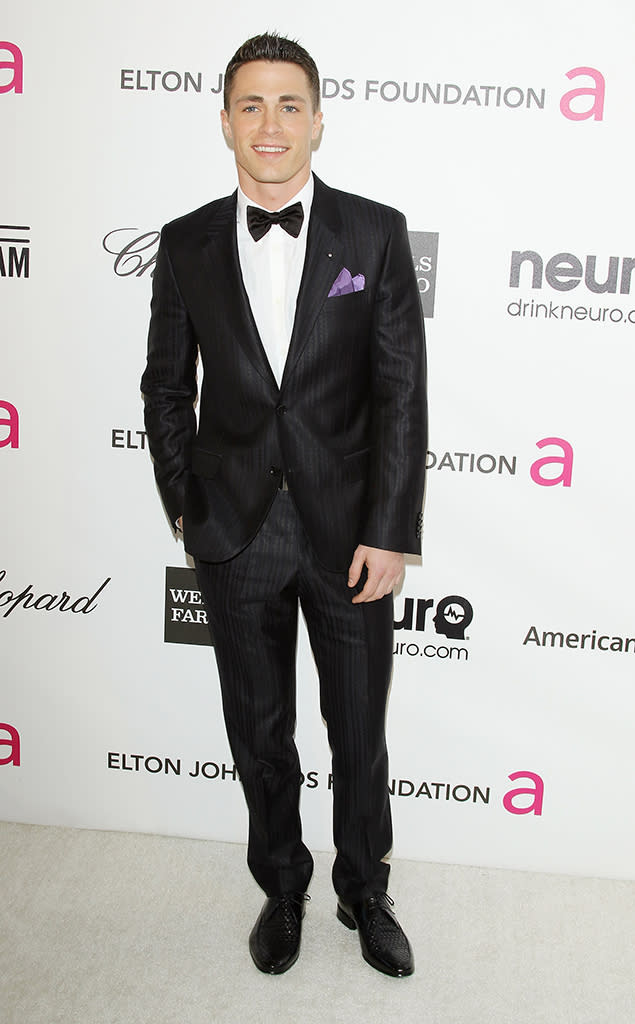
x: 271, y: 125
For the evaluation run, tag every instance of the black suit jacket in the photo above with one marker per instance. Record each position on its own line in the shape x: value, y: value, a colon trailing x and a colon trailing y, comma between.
x: 347, y: 426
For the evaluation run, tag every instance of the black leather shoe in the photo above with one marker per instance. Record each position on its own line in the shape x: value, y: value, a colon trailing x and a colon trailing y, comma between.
x: 383, y: 941
x: 274, y: 942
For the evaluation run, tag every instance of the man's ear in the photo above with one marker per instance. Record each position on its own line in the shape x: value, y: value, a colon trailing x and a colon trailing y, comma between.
x: 227, y: 131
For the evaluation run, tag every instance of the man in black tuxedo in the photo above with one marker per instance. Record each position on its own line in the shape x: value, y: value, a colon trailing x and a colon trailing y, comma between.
x: 303, y: 483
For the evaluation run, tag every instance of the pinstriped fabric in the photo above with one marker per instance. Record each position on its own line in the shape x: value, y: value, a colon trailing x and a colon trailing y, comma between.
x: 347, y: 428
x: 348, y: 423
x: 252, y: 602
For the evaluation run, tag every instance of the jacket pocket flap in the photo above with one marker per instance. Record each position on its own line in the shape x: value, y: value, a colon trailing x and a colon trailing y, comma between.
x: 356, y: 464
x: 205, y: 463
x: 357, y: 455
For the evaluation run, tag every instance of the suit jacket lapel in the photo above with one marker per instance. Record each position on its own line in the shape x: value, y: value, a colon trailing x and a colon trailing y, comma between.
x: 322, y: 264
x: 223, y: 267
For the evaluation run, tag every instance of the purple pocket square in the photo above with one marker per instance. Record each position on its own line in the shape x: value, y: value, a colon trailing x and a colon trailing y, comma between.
x: 345, y: 283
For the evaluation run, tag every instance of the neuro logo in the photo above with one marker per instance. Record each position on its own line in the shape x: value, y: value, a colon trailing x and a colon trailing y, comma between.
x: 565, y: 271
x: 598, y: 278
x: 425, y: 246
x: 453, y: 616
x: 15, y: 66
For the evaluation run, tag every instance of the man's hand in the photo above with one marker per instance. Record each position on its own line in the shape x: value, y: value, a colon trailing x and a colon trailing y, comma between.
x: 179, y: 524
x: 385, y: 572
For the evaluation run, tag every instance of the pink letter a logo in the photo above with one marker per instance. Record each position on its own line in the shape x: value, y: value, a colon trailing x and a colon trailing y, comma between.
x: 596, y: 110
x: 16, y: 65
x: 13, y: 743
x: 565, y: 460
x: 537, y: 791
x: 12, y: 423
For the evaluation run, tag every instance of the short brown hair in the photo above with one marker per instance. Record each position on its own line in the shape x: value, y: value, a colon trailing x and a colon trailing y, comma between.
x: 272, y: 47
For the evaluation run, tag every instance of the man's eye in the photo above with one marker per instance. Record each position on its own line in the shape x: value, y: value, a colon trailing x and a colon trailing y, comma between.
x: 249, y: 109
x: 289, y: 108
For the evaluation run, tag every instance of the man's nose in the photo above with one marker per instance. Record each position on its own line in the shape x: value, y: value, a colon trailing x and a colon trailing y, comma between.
x: 271, y: 124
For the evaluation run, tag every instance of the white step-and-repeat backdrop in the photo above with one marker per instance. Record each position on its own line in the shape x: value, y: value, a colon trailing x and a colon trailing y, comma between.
x: 505, y: 135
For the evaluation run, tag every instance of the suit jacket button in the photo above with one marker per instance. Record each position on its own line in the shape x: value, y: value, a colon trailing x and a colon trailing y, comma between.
x: 274, y: 470
x: 281, y: 410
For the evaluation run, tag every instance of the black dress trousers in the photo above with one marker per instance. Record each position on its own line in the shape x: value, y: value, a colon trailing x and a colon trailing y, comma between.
x: 252, y: 603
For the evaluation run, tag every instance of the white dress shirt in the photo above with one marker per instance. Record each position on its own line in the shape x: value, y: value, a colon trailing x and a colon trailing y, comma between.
x: 272, y: 271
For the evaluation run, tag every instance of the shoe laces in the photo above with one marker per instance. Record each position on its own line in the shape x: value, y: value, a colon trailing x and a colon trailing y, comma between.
x: 384, y: 931
x: 294, y: 897
x: 287, y: 918
x: 379, y: 898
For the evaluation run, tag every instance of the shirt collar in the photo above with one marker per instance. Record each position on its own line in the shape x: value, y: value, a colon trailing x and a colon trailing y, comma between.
x: 304, y: 196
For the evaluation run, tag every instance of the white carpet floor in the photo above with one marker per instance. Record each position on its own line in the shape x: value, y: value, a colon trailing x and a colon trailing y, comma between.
x: 115, y: 928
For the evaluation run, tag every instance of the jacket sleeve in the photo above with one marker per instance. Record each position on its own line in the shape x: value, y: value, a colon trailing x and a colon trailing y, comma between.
x: 169, y: 385
x: 399, y: 417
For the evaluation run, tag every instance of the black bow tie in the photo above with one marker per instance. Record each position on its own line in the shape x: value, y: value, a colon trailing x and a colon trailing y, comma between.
x: 259, y: 221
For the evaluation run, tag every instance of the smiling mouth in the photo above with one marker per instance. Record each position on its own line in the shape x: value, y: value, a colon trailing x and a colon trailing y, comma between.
x: 270, y: 149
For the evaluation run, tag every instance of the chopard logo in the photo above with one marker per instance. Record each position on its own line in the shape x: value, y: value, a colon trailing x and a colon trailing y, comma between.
x: 135, y: 251
x: 61, y: 602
